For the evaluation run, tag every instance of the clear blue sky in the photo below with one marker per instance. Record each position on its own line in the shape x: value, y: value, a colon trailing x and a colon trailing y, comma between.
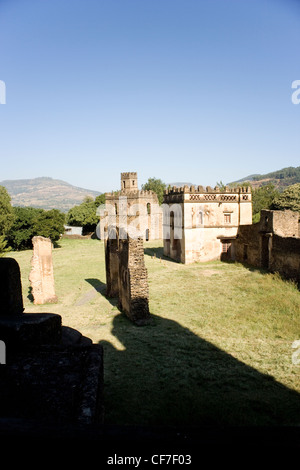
x: 182, y: 90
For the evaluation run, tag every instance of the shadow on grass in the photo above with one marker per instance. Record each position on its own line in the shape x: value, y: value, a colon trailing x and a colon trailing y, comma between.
x: 100, y: 287
x: 29, y: 295
x: 158, y: 252
x: 56, y: 244
x: 168, y: 376
x: 250, y: 267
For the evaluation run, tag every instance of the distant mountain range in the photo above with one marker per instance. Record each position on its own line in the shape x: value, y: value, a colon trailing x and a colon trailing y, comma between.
x: 46, y: 193
x: 280, y: 178
x: 49, y: 193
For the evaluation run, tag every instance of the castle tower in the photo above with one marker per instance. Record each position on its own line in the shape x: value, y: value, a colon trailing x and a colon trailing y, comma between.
x: 129, y: 182
x: 140, y: 207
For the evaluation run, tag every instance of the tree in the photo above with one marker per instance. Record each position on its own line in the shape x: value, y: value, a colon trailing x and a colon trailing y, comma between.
x: 156, y: 185
x: 99, y: 200
x: 30, y: 222
x: 3, y: 245
x: 88, y: 199
x: 220, y: 185
x: 50, y: 224
x: 288, y: 199
x: 262, y: 198
x: 20, y: 235
x: 6, y: 211
x: 84, y: 216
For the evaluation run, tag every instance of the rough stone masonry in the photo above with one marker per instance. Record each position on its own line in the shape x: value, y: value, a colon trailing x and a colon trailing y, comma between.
x: 133, y: 280
x: 53, y: 375
x: 127, y: 276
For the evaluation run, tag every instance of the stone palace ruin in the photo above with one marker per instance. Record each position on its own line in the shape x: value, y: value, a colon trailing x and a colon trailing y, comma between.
x: 140, y: 207
x: 200, y: 224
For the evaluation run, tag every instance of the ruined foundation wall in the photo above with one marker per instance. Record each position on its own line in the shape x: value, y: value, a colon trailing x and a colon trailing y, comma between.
x: 283, y: 223
x: 285, y: 257
x: 260, y: 244
x: 247, y: 245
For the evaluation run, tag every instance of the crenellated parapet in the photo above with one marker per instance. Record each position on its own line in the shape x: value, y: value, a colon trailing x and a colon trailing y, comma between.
x: 137, y: 195
x: 208, y: 189
x: 207, y: 194
x: 129, y: 174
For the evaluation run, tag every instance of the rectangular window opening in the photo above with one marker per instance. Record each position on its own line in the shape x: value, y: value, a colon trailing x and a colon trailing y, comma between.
x: 227, y: 218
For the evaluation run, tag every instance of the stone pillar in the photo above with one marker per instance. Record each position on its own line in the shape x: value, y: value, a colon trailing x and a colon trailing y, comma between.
x: 41, y: 276
x: 133, y: 281
x: 10, y: 288
x: 112, y: 265
x: 19, y: 329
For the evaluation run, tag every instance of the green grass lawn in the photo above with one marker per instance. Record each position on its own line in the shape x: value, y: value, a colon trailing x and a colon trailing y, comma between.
x: 217, y: 352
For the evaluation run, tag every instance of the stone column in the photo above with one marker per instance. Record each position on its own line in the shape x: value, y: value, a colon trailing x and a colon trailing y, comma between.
x: 41, y: 276
x: 133, y: 281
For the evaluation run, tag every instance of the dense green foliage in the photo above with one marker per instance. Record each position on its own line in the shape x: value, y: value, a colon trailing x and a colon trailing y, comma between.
x: 30, y: 221
x: 6, y: 211
x: 50, y: 224
x: 99, y: 200
x: 269, y: 197
x: 3, y: 245
x: 156, y: 185
x: 85, y: 215
x: 289, y: 199
x: 262, y: 198
x: 22, y: 231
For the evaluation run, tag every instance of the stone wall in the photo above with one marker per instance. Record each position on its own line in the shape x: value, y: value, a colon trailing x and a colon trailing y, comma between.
x: 52, y: 374
x: 127, y: 276
x: 247, y: 245
x: 285, y: 257
x: 271, y: 244
x: 133, y: 280
x: 283, y: 223
x: 111, y: 246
